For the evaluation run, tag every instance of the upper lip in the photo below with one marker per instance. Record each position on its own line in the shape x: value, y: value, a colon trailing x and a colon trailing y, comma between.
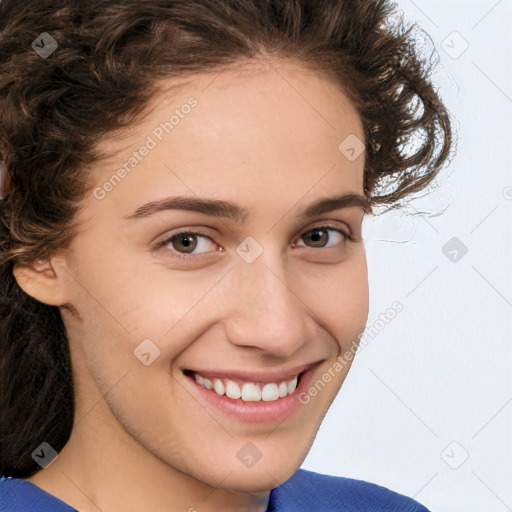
x: 277, y: 375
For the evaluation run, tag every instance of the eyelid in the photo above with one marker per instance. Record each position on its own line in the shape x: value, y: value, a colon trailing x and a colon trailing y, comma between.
x: 345, y: 229
x: 193, y: 231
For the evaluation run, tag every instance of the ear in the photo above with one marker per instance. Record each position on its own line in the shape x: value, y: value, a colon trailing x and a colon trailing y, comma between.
x: 39, y: 280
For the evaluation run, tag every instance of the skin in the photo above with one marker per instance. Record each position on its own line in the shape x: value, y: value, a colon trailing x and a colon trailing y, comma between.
x: 266, y: 138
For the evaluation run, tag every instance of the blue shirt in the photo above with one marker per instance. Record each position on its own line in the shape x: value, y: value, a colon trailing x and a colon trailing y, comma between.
x: 305, y: 491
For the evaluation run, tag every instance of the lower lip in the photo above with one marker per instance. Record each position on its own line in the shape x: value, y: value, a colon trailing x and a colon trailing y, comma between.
x: 267, y: 413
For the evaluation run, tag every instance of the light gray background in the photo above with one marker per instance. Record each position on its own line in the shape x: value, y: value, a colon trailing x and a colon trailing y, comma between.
x: 434, y: 386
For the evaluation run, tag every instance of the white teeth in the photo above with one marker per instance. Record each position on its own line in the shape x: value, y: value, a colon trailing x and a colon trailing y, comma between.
x: 206, y: 383
x: 269, y: 392
x: 218, y: 386
x: 292, y: 385
x: 232, y: 390
x: 250, y: 391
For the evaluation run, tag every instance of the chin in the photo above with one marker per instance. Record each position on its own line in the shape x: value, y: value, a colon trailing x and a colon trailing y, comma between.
x: 254, y: 482
x: 258, y: 478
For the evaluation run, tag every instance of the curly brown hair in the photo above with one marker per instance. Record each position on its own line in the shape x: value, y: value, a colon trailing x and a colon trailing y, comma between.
x: 111, y: 56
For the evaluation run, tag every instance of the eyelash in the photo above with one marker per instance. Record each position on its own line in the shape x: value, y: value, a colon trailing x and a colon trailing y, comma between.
x: 188, y: 257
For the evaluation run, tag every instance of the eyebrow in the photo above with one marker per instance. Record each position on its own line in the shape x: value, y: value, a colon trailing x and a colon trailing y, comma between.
x: 240, y: 214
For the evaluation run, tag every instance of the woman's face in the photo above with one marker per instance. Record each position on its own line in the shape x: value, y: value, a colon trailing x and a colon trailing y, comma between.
x: 253, y: 293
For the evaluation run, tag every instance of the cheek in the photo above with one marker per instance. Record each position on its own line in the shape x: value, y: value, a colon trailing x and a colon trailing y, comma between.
x: 157, y: 312
x: 133, y: 298
x: 340, y: 298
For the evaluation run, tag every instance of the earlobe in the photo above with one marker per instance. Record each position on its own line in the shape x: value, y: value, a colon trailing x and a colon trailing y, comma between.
x: 39, y: 280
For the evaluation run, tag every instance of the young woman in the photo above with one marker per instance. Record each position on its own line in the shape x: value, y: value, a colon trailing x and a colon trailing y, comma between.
x: 184, y: 279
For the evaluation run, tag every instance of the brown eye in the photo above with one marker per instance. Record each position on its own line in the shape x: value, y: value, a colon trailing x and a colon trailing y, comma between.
x: 320, y: 236
x: 183, y: 245
x: 184, y: 241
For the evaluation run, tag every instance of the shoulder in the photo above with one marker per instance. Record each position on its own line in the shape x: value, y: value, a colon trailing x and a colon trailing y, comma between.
x: 304, y: 491
x: 315, y: 492
x: 17, y: 495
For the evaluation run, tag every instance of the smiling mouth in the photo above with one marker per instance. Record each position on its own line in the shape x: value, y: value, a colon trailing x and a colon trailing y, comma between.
x: 247, y: 391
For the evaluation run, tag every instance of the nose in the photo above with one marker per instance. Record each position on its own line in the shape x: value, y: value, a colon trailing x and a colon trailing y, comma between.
x: 266, y: 311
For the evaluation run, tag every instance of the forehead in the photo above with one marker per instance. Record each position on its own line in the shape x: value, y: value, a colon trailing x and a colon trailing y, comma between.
x: 254, y: 131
